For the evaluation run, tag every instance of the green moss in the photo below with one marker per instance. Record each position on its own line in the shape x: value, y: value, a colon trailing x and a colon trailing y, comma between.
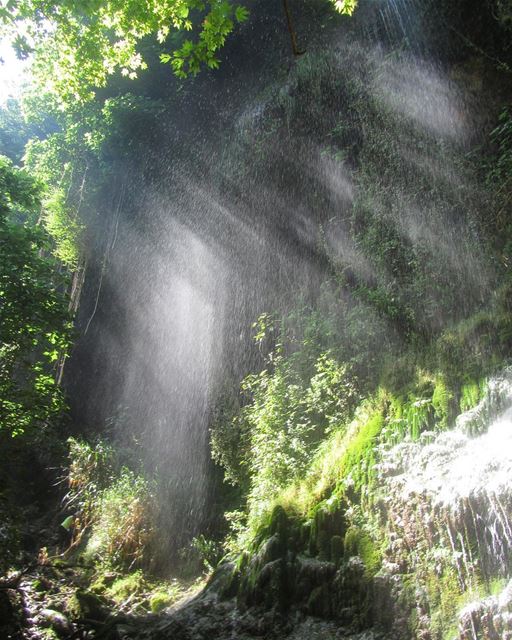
x: 444, y: 595
x: 242, y: 561
x: 137, y: 588
x: 350, y: 544
x: 359, y: 458
x: 85, y: 604
x: 279, y: 523
x: 37, y: 585
x: 159, y: 601
x: 407, y: 602
x: 470, y: 394
x: 359, y: 543
x: 127, y: 586
x: 496, y: 586
x: 326, y: 520
x: 442, y: 399
x: 275, y: 520
x: 102, y: 582
x: 475, y: 346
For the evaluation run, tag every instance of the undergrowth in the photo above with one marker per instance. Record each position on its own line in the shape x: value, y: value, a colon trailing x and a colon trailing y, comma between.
x: 112, y: 508
x: 310, y: 438
x: 111, y: 515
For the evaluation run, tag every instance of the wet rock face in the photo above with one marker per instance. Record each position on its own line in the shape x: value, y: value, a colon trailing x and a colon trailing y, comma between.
x: 454, y: 478
x: 447, y: 505
x: 208, y: 618
x: 488, y: 619
x: 309, y: 586
x: 286, y: 582
x: 314, y: 570
x: 496, y: 401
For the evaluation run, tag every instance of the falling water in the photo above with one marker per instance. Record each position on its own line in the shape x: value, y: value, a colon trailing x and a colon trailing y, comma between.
x: 462, y: 481
x: 200, y: 239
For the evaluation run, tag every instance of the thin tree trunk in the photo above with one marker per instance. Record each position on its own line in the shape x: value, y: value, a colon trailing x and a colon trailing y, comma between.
x: 293, y: 36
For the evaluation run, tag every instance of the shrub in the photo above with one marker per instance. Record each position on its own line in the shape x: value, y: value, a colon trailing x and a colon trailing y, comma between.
x: 287, y: 419
x: 91, y: 470
x: 123, y: 523
x: 210, y: 551
x: 111, y: 504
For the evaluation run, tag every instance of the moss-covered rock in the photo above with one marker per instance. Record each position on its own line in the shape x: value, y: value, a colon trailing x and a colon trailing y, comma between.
x: 88, y: 605
x: 279, y: 522
x: 359, y: 543
x: 337, y: 550
x: 225, y: 580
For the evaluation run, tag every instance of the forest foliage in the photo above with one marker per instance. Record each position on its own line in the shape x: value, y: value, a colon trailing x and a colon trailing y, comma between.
x: 35, y: 330
x: 78, y: 46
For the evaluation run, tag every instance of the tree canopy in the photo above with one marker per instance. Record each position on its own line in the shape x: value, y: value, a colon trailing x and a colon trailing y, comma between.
x: 78, y: 45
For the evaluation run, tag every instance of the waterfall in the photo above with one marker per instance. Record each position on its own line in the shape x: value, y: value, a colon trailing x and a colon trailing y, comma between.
x: 453, y: 497
x: 222, y: 219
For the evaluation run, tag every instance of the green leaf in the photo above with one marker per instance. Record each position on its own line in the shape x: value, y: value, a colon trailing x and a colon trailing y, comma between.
x: 241, y: 14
